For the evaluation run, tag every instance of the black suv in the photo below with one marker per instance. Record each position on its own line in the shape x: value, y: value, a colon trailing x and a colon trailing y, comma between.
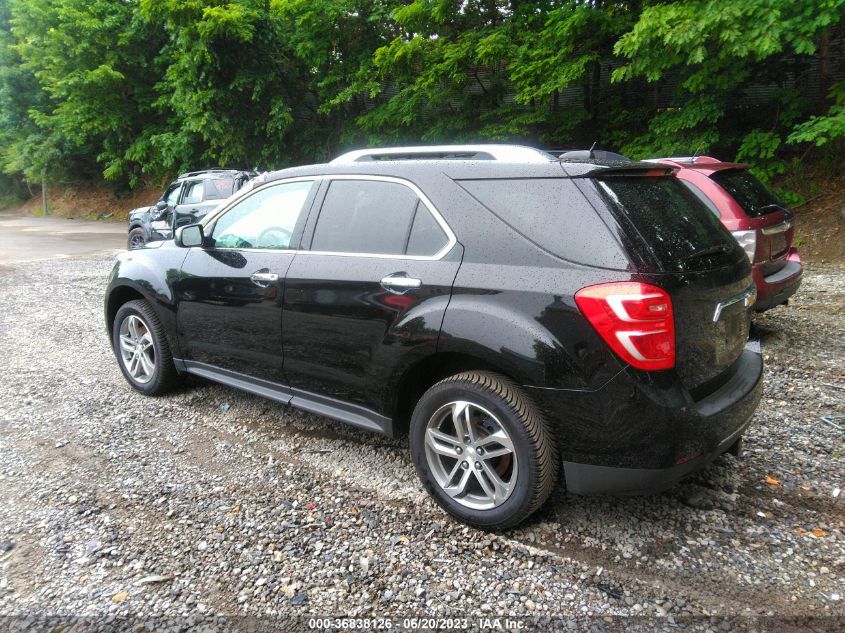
x: 187, y: 200
x: 515, y: 314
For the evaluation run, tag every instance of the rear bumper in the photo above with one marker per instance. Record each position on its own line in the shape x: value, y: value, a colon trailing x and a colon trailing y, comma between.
x: 778, y: 287
x: 655, y: 436
x: 588, y: 479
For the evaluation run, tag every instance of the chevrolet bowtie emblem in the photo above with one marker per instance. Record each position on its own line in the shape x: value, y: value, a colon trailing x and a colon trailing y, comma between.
x: 748, y: 297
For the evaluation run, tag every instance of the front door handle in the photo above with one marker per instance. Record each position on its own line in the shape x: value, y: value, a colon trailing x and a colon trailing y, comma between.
x: 400, y: 283
x: 263, y: 278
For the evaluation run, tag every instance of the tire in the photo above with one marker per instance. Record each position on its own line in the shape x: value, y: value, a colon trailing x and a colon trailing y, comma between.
x: 496, y: 408
x: 154, y: 374
x: 136, y: 239
x: 737, y: 447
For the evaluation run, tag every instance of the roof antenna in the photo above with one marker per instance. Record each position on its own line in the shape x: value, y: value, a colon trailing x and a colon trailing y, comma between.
x: 696, y: 153
x: 592, y: 147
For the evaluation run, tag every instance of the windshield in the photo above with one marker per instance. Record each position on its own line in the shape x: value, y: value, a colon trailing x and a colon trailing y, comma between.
x: 751, y: 194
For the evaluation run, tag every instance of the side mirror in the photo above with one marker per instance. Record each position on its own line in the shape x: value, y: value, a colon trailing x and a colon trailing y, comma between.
x: 188, y: 236
x: 161, y: 205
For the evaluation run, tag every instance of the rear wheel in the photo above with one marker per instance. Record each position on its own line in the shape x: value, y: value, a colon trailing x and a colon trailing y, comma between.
x: 142, y: 350
x: 482, y: 450
x: 737, y: 447
x: 137, y: 238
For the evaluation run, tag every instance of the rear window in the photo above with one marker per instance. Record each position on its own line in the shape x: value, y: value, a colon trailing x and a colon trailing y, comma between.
x: 751, y: 194
x: 554, y: 214
x: 675, y: 225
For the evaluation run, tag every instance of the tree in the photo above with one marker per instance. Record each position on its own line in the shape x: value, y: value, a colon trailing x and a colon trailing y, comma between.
x: 92, y: 62
x: 715, y: 51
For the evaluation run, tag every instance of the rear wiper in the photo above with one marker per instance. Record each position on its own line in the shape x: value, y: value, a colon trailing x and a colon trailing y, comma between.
x: 767, y: 207
x: 710, y: 250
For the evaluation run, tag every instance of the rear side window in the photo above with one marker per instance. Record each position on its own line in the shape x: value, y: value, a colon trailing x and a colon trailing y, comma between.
x: 365, y: 216
x: 552, y: 213
x: 751, y: 194
x: 219, y: 188
x: 675, y: 225
x: 427, y: 236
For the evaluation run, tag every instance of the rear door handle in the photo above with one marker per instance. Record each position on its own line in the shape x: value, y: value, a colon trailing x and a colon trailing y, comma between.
x: 399, y: 283
x: 263, y: 279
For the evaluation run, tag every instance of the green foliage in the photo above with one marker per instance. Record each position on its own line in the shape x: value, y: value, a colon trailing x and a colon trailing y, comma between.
x: 759, y: 148
x: 139, y: 89
x: 714, y: 50
x: 822, y: 130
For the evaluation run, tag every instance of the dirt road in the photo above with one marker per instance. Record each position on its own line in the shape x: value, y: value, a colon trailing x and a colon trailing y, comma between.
x: 24, y: 238
x: 209, y: 501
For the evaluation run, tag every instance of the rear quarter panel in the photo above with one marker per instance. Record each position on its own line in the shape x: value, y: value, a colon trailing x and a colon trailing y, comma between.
x: 527, y: 323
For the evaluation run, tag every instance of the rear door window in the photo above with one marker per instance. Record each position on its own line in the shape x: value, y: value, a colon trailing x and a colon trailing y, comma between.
x: 751, y: 194
x: 674, y: 224
x: 365, y: 216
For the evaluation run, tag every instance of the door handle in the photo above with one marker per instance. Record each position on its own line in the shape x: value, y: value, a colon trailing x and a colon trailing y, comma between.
x: 400, y: 283
x: 263, y: 279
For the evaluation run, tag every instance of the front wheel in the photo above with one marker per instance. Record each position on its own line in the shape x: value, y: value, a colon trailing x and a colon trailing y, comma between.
x: 482, y: 450
x: 142, y: 350
x: 137, y: 238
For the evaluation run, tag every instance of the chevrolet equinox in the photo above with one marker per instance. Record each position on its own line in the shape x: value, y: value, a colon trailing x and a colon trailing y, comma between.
x: 513, y: 313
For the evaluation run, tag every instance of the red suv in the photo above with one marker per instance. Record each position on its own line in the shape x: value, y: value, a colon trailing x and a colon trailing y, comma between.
x: 760, y: 222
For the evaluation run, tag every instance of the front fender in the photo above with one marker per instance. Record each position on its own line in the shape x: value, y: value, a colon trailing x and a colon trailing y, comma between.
x: 149, y: 273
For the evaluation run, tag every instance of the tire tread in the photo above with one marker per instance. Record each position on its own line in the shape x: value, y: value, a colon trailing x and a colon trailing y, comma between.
x: 168, y: 376
x: 543, y: 446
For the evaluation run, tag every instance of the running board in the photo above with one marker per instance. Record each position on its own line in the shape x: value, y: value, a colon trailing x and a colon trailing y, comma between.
x: 353, y: 414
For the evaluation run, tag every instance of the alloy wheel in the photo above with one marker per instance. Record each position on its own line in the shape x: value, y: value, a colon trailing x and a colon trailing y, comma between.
x: 471, y: 455
x: 137, y: 351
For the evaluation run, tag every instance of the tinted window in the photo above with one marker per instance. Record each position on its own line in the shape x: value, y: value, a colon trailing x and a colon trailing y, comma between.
x: 681, y: 232
x: 193, y: 193
x: 552, y: 213
x: 427, y: 237
x: 749, y: 192
x: 698, y: 193
x: 365, y: 216
x: 265, y: 219
x: 219, y: 188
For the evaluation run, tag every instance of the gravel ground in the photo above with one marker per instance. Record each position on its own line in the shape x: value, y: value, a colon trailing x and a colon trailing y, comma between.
x: 209, y: 501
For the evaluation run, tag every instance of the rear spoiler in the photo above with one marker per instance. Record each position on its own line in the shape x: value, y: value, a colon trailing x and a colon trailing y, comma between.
x: 597, y: 169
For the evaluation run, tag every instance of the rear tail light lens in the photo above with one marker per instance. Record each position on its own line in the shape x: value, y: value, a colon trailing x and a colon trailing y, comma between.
x: 748, y: 241
x: 635, y: 319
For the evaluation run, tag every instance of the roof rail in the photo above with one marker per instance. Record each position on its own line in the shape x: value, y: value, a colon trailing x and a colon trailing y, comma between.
x: 506, y: 153
x: 188, y: 174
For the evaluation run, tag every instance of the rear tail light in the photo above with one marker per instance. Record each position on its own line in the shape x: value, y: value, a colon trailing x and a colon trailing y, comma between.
x: 748, y: 241
x: 635, y: 319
